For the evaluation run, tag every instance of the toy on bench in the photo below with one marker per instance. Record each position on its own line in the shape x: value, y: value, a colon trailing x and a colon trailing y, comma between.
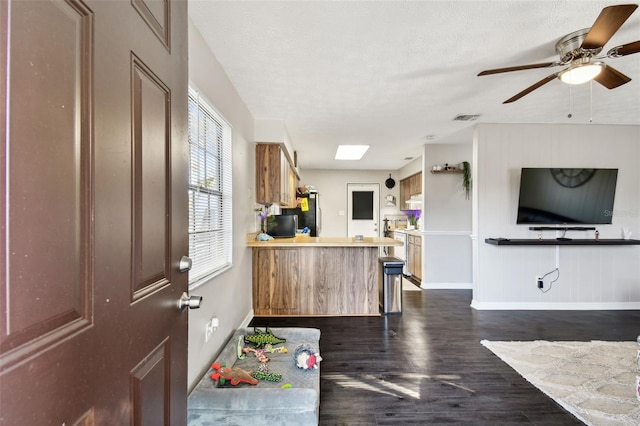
x: 262, y: 338
x: 234, y: 375
x: 306, y: 358
x: 285, y: 395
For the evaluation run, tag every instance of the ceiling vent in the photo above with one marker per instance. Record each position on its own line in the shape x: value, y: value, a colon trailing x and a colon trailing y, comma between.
x: 466, y: 117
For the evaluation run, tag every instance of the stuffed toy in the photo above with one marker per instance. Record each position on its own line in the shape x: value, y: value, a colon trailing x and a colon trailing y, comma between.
x: 306, y: 358
x: 234, y: 375
x: 262, y: 338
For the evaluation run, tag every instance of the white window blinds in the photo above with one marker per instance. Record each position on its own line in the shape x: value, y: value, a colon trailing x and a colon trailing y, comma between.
x: 210, y: 187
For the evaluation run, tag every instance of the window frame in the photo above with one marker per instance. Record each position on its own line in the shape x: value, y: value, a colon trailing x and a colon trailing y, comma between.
x: 210, y: 190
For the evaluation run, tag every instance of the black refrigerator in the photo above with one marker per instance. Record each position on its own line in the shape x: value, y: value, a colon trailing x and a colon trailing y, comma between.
x: 309, y: 218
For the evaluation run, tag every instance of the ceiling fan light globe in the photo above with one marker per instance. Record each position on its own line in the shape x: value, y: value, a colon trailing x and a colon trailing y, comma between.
x: 581, y: 73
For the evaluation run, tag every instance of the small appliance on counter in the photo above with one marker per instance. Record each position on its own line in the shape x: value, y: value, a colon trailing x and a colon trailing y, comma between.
x: 282, y: 226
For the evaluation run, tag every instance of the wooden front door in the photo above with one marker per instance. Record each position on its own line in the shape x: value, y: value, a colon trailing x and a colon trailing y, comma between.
x: 93, y: 218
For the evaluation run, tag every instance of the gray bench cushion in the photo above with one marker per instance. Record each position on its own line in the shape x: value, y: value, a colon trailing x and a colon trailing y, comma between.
x: 266, y: 403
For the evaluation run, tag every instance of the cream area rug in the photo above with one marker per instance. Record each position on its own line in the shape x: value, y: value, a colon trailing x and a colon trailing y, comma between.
x: 592, y: 380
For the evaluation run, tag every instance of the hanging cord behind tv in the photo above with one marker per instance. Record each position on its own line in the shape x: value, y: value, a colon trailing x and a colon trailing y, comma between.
x: 541, y: 280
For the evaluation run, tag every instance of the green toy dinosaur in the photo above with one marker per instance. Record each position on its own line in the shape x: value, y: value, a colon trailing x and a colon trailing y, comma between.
x: 262, y: 338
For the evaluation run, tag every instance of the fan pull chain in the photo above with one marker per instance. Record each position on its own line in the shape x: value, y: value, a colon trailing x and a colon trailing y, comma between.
x: 570, y: 107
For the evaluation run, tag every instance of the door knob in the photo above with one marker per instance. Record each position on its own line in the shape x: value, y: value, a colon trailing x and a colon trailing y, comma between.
x: 191, y: 302
x: 185, y: 264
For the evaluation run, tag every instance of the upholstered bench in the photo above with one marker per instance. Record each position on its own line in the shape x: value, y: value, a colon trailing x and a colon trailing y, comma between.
x: 266, y: 403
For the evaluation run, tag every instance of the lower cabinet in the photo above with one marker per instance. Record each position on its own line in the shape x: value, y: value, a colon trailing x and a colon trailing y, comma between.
x: 415, y: 256
x: 307, y: 280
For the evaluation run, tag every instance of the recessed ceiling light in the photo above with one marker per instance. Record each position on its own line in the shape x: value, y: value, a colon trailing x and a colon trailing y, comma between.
x: 351, y: 152
x: 408, y: 158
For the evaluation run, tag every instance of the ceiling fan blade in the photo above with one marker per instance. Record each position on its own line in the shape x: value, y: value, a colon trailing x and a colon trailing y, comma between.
x: 531, y: 88
x: 519, y: 68
x: 611, y: 78
x: 608, y: 22
x: 624, y: 50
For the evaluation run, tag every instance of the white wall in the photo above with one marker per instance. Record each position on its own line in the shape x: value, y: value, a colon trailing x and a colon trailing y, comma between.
x: 591, y: 277
x: 332, y: 187
x: 415, y: 166
x: 227, y: 296
x: 446, y: 242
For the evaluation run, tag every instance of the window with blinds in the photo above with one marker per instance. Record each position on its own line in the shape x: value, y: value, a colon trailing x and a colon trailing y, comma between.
x: 210, y: 201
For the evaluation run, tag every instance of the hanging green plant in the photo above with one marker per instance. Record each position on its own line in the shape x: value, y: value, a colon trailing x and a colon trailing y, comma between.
x: 466, y: 179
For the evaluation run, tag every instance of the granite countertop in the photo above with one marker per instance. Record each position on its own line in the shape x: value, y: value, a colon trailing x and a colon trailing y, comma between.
x: 304, y: 241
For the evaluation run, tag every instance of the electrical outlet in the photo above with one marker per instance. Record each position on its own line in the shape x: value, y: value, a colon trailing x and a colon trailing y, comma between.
x: 210, y: 327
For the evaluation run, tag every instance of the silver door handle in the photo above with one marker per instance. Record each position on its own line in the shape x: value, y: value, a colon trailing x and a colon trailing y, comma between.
x: 191, y: 302
x: 185, y: 264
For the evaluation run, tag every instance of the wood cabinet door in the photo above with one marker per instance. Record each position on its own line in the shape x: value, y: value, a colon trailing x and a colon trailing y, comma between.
x: 405, y: 193
x: 94, y: 213
x: 416, y: 183
x: 275, y: 179
x: 409, y: 186
x: 268, y: 173
x: 293, y: 184
x: 287, y: 182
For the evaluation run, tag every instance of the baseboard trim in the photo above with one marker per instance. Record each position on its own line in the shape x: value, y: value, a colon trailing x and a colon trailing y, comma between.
x: 245, y: 322
x: 446, y: 286
x: 560, y: 306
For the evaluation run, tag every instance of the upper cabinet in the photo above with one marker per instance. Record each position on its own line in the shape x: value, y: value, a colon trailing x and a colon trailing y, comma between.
x: 276, y: 179
x: 409, y: 186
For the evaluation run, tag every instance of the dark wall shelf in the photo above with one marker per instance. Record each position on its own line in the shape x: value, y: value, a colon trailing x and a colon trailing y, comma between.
x: 554, y: 242
x: 459, y: 171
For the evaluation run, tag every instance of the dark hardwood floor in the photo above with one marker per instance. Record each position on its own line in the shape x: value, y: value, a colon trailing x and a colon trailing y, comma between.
x: 427, y: 366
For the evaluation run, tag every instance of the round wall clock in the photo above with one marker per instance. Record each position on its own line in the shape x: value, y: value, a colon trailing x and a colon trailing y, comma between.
x: 572, y: 178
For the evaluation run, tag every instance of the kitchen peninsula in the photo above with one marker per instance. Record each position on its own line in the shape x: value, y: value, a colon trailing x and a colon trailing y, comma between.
x: 324, y: 276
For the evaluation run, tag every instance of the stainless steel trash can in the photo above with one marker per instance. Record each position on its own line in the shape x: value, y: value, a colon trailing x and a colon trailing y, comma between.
x: 390, y: 285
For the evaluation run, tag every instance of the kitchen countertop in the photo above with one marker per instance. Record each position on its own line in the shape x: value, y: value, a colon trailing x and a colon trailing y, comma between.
x: 304, y: 241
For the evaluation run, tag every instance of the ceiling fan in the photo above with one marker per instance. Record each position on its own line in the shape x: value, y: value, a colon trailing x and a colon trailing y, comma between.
x: 579, y: 50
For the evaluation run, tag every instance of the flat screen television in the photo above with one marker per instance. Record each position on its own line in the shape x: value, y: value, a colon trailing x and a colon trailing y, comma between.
x: 566, y: 196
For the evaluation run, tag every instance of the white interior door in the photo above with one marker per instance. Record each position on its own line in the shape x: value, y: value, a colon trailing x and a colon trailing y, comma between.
x: 363, y: 204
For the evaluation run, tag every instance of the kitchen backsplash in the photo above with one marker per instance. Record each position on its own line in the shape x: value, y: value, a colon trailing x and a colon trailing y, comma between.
x: 397, y: 220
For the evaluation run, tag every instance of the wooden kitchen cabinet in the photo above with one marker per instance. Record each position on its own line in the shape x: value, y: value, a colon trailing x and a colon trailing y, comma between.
x: 404, y: 193
x: 276, y: 180
x: 409, y: 186
x: 415, y: 256
x: 416, y: 184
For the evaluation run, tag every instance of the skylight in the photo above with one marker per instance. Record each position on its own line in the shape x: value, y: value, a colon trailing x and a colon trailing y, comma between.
x: 351, y: 152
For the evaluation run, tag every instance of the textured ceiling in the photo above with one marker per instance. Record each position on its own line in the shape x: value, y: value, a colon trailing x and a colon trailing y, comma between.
x: 390, y: 73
